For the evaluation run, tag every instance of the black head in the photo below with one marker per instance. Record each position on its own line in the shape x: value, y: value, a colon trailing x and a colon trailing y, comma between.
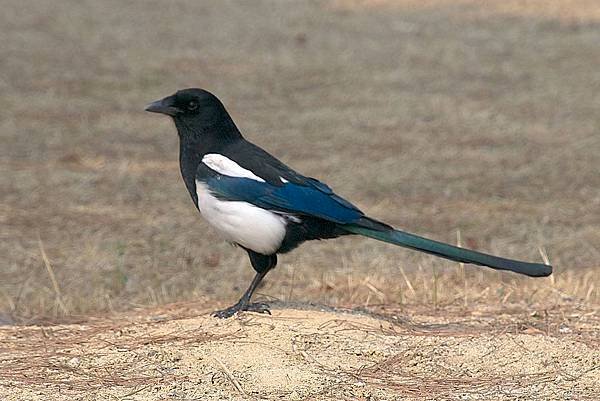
x: 196, y: 112
x: 193, y: 102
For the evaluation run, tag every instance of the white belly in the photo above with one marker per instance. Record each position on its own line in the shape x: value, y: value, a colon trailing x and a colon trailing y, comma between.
x: 241, y: 222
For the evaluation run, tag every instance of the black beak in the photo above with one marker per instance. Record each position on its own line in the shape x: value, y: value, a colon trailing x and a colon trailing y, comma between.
x: 163, y: 106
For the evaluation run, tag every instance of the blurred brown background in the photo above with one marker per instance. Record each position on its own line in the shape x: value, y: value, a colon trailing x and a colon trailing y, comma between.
x: 436, y: 116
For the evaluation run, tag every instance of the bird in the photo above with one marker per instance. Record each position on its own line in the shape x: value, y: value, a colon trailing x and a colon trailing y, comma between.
x: 257, y: 202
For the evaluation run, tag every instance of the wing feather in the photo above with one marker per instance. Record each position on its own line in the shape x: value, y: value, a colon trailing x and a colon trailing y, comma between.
x: 288, y: 198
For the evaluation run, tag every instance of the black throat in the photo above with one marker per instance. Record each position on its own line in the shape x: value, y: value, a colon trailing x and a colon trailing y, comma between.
x: 198, y: 138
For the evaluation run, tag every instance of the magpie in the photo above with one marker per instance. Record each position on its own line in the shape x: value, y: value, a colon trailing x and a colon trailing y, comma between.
x: 257, y: 202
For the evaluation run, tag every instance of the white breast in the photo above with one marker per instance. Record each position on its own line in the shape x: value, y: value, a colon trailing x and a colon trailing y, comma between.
x: 241, y: 222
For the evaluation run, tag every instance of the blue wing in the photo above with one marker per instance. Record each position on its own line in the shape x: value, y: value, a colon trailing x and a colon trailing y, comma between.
x: 311, y: 198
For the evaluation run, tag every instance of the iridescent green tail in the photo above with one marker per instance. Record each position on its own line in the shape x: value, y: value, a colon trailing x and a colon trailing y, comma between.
x: 451, y: 252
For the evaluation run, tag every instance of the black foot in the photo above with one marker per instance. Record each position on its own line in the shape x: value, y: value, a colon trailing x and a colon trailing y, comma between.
x: 257, y: 307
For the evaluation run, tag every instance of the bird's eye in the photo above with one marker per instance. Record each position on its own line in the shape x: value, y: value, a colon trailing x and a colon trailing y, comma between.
x: 192, y: 105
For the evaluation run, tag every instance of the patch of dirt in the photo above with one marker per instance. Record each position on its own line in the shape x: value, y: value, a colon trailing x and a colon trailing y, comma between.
x: 303, y: 354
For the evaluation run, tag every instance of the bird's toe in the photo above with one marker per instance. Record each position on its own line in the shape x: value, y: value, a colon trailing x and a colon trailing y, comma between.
x: 225, y: 313
x: 258, y: 307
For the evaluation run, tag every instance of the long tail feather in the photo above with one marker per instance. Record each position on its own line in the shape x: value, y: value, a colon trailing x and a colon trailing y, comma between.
x: 451, y: 252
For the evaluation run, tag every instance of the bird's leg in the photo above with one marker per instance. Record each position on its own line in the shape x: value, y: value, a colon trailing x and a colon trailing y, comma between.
x: 261, y: 264
x: 244, y: 303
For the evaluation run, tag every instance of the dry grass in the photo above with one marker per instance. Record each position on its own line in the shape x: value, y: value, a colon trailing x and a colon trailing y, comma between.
x: 472, y: 116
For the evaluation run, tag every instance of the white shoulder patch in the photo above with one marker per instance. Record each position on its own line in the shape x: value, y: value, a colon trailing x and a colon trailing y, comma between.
x: 224, y: 165
x: 283, y: 180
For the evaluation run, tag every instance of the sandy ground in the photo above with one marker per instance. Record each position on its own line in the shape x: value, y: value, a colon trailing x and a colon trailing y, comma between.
x: 478, y: 117
x: 300, y: 354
